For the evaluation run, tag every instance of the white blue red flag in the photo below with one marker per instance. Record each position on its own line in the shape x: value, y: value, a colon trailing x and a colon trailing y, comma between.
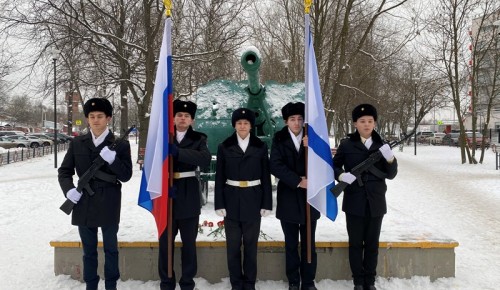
x: 320, y: 178
x: 153, y: 194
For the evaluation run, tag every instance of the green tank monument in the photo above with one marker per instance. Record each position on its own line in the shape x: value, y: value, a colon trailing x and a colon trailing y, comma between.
x: 218, y: 99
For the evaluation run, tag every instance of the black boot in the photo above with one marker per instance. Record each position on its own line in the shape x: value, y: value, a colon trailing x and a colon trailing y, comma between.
x: 370, y: 287
x: 293, y: 287
x: 359, y: 287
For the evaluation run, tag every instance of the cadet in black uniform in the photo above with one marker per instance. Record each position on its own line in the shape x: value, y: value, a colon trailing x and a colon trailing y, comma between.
x: 288, y: 165
x: 103, y: 208
x: 364, y: 199
x: 189, y: 150
x: 242, y: 195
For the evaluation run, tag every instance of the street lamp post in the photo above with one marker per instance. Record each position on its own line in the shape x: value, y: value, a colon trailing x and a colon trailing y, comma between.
x: 415, y: 112
x: 43, y: 117
x: 113, y: 119
x: 70, y: 113
x: 55, y: 56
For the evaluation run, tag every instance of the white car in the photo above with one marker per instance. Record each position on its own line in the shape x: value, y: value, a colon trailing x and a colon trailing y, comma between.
x: 8, y: 143
x: 45, y: 141
x: 34, y: 142
x: 436, y: 138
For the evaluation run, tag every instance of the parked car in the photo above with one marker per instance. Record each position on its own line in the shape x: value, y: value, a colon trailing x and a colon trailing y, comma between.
x: 61, y: 138
x: 436, y: 138
x: 479, y: 140
x: 45, y: 141
x: 423, y: 136
x: 34, y: 143
x: 49, y: 136
x: 451, y: 139
x: 8, y: 143
x: 43, y: 136
x: 10, y: 133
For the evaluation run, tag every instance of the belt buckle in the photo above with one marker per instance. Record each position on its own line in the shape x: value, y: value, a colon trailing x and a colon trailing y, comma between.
x: 243, y: 183
x: 177, y: 175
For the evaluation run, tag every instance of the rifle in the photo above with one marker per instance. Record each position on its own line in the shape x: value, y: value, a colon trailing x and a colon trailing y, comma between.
x: 83, y: 182
x: 366, y: 164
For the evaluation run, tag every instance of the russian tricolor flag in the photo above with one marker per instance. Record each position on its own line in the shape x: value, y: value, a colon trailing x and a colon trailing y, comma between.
x: 320, y: 176
x: 153, y: 194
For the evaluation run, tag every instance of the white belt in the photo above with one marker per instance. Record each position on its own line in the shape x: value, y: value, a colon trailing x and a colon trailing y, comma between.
x: 243, y: 183
x: 178, y: 175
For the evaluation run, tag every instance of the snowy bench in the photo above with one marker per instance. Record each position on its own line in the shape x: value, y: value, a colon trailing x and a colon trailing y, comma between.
x: 407, y: 249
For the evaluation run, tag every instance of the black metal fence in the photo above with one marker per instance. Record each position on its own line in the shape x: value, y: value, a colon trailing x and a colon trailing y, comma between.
x: 22, y: 154
x: 495, y: 148
x: 494, y: 135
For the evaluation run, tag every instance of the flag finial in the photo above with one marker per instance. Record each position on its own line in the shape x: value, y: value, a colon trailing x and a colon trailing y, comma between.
x: 168, y: 7
x: 307, y: 6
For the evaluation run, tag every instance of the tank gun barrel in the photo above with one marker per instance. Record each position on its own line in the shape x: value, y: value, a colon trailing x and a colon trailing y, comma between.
x: 250, y: 61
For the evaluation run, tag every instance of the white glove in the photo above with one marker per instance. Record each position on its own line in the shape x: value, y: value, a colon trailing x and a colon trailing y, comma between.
x: 221, y: 212
x: 108, y: 155
x: 73, y: 195
x: 347, y: 177
x: 386, y: 152
x: 264, y: 212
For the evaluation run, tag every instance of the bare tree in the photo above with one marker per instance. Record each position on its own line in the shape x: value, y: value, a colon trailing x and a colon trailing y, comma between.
x: 5, y: 67
x: 22, y: 110
x: 208, y: 35
x: 484, y: 68
x: 354, y: 41
x: 99, y: 44
x: 110, y: 49
x: 279, y: 34
x: 449, y: 38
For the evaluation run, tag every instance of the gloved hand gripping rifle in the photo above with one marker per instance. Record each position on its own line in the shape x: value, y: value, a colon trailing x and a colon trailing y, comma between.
x: 366, y: 165
x: 83, y: 182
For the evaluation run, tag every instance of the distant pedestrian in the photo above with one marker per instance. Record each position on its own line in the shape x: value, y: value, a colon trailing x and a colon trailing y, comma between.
x: 288, y: 164
x: 102, y: 209
x: 243, y: 195
x: 364, y: 199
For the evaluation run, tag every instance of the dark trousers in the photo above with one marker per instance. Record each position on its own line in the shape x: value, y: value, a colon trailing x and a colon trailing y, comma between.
x: 238, y: 233
x: 88, y: 235
x: 297, y: 268
x: 189, y: 231
x: 364, y: 233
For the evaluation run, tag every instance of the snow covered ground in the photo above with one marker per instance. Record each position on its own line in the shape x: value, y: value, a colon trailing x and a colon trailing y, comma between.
x: 433, y: 193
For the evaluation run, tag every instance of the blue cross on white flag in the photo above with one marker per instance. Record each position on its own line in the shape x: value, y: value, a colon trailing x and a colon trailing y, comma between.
x: 319, y: 163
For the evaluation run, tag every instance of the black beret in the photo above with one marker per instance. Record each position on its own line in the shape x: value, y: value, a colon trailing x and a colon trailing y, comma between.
x: 291, y: 109
x: 243, y: 113
x: 185, y: 106
x: 98, y: 105
x: 364, y: 110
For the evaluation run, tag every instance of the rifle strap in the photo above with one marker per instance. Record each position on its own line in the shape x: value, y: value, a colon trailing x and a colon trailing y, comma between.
x: 377, y: 172
x: 111, y: 178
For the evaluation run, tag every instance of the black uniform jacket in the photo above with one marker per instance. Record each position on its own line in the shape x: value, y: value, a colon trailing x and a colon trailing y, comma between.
x: 193, y: 152
x: 288, y: 166
x: 243, y: 203
x: 350, y: 153
x: 103, y: 208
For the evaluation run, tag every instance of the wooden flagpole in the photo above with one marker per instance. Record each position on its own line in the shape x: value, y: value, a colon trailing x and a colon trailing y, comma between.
x: 308, y: 211
x: 307, y: 7
x: 171, y: 136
